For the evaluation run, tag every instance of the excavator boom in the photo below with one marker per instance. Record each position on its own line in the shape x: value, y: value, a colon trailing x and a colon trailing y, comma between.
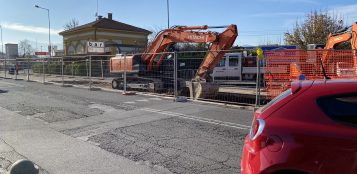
x: 217, y: 51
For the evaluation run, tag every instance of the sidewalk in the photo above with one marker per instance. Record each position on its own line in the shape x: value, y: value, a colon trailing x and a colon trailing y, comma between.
x: 59, y: 153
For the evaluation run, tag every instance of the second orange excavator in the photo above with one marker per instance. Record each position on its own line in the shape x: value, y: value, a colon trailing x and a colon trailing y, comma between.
x: 335, y: 64
x: 334, y: 39
x: 148, y: 65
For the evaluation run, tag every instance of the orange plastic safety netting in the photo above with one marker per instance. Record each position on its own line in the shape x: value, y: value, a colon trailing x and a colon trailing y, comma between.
x: 285, y: 66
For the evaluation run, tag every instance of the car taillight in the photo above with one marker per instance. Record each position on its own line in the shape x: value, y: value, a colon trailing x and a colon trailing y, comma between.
x: 257, y: 128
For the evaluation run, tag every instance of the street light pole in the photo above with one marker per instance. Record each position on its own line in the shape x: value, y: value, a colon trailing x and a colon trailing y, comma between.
x: 168, y: 13
x: 49, y: 39
x: 2, y: 43
x: 2, y: 51
x: 49, y: 27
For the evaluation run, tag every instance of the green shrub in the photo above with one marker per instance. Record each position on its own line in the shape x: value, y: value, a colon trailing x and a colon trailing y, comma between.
x: 78, y: 68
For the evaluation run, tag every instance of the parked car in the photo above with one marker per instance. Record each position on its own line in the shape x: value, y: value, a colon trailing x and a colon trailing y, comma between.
x: 310, y: 128
x: 12, y: 69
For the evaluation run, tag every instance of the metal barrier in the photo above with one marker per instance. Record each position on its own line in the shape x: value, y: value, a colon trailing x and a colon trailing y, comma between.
x: 233, y: 80
x: 285, y: 66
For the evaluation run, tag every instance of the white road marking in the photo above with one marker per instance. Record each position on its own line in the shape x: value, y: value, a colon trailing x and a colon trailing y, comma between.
x: 206, y: 120
x: 143, y: 100
x: 129, y: 102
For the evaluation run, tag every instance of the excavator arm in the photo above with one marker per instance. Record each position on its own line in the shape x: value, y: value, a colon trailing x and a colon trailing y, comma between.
x: 217, y: 50
x: 354, y: 37
x: 186, y: 34
x: 340, y: 37
x: 333, y: 40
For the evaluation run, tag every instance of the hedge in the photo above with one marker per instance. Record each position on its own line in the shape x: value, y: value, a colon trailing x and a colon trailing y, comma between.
x: 79, y: 69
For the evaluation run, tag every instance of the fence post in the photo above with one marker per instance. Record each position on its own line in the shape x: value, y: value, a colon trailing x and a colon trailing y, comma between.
x: 257, y: 97
x: 16, y: 69
x: 5, y: 67
x: 72, y: 69
x: 87, y: 66
x: 101, y: 68
x: 28, y: 69
x: 62, y: 72
x: 175, y: 76
x: 90, y: 72
x: 43, y: 70
x: 124, y: 73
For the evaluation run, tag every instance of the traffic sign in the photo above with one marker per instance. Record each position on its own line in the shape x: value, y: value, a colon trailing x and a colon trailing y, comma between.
x: 260, y: 53
x: 95, y: 47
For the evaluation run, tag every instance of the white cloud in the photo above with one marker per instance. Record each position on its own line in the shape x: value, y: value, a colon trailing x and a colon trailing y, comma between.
x: 29, y: 29
x: 277, y: 14
x: 344, y: 11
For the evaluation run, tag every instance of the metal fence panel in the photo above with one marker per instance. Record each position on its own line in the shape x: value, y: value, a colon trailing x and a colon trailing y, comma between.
x: 285, y: 66
x: 173, y: 74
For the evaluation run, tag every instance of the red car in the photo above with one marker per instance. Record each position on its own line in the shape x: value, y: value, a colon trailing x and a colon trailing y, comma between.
x: 310, y: 128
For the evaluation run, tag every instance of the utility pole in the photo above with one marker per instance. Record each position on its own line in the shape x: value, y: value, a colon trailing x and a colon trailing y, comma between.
x: 2, y: 43
x: 168, y: 13
x: 96, y: 14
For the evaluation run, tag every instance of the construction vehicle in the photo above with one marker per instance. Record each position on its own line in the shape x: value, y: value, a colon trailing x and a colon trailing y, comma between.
x: 344, y: 35
x: 147, y: 71
x: 336, y: 64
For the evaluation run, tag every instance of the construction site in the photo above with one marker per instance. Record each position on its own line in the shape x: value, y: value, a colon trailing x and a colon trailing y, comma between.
x: 219, y: 74
x: 209, y: 87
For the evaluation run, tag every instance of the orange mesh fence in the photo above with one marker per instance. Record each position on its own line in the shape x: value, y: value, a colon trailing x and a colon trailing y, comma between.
x: 285, y: 66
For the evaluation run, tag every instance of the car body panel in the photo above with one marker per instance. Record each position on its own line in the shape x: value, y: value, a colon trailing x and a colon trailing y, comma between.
x: 311, y: 141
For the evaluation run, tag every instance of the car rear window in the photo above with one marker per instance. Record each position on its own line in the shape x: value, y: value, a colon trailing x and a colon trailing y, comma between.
x: 342, y: 108
x: 277, y: 99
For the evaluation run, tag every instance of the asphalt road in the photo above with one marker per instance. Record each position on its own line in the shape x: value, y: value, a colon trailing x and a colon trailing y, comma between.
x: 185, y: 137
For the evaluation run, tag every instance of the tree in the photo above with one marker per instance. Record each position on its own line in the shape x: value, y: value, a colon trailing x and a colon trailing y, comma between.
x: 314, y: 30
x: 25, y: 48
x: 73, y: 23
x: 154, y: 32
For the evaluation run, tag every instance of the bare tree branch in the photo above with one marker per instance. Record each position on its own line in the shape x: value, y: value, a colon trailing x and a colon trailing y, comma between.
x: 314, y: 30
x: 73, y: 23
x: 25, y: 48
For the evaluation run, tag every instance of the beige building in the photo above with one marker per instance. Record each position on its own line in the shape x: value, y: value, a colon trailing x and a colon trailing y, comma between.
x: 118, y: 37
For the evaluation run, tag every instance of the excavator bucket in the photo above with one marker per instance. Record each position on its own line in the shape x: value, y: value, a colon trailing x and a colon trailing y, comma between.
x: 203, y: 89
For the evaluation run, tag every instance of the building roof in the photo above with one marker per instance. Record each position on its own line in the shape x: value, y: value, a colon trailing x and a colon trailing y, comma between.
x: 105, y: 23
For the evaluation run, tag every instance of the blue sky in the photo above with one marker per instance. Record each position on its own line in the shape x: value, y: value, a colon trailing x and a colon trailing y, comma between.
x: 258, y: 21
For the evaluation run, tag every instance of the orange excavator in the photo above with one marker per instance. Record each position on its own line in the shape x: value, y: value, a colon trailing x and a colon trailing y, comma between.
x: 335, y: 64
x: 150, y: 63
x: 334, y: 39
x: 343, y: 35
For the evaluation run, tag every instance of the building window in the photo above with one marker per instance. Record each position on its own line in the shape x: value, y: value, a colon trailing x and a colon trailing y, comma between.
x: 71, y: 50
x: 80, y: 49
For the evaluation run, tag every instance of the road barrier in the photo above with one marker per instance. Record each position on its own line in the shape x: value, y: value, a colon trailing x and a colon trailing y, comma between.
x: 285, y: 66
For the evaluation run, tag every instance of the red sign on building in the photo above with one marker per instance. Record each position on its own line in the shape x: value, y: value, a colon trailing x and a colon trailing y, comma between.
x: 41, y: 53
